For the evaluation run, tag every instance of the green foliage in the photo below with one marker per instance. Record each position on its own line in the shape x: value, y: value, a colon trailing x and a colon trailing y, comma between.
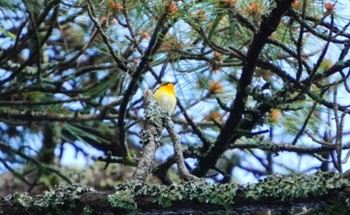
x: 100, y: 87
x: 288, y: 188
x: 79, y: 132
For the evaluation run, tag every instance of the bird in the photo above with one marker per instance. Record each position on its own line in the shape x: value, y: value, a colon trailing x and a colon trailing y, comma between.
x: 166, y: 97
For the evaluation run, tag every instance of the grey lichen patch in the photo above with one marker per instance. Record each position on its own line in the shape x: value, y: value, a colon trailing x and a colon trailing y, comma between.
x: 123, y: 199
x: 221, y: 195
x: 153, y: 115
x: 124, y: 196
x: 217, y: 194
x: 144, y: 137
x: 61, y: 197
x: 287, y: 188
x: 23, y: 199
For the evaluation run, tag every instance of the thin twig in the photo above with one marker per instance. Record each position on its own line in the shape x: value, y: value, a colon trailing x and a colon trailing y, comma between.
x: 117, y: 59
x: 183, y: 171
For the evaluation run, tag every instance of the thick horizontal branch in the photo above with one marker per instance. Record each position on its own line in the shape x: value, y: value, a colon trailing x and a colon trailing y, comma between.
x: 275, y: 193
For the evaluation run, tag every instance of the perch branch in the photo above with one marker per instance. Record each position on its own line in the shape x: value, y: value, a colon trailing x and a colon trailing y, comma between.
x: 150, y: 136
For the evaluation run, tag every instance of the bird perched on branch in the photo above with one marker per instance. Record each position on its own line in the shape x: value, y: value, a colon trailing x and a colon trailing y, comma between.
x: 165, y: 97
